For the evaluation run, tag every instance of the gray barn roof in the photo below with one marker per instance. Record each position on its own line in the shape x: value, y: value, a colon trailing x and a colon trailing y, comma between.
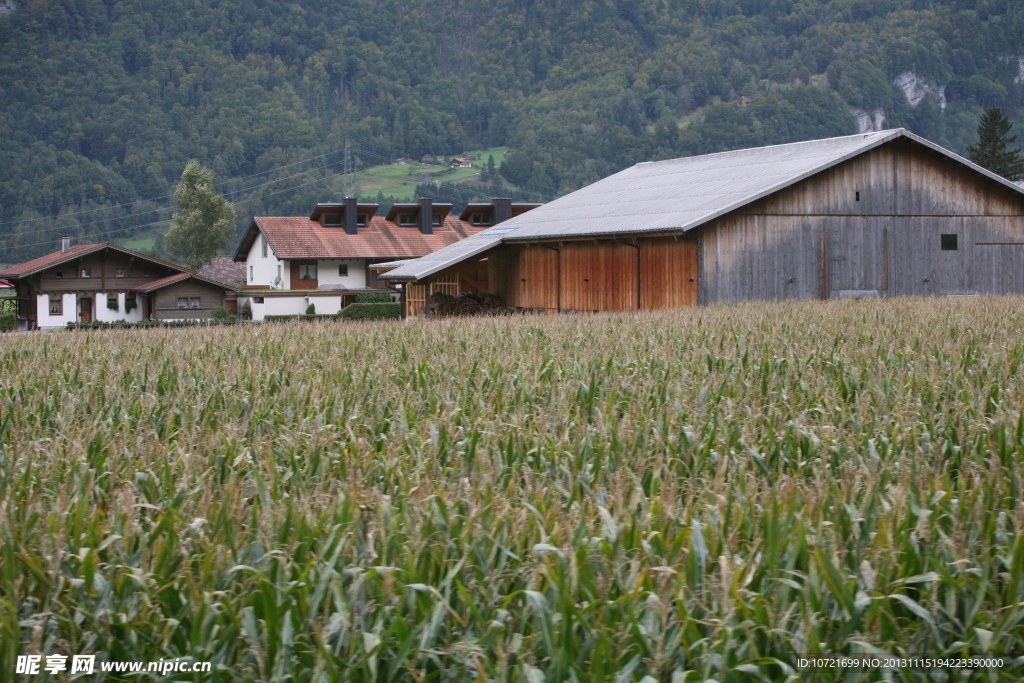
x: 676, y: 195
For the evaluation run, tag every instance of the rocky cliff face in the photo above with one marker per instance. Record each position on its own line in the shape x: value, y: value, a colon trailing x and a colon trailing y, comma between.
x: 916, y: 89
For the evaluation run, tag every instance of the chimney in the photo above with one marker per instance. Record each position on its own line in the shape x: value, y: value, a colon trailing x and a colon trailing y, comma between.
x: 65, y: 244
x: 502, y: 209
x: 426, y: 215
x: 351, y: 215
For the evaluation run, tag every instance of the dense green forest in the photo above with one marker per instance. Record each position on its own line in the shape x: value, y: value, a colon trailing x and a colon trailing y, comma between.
x: 102, y: 102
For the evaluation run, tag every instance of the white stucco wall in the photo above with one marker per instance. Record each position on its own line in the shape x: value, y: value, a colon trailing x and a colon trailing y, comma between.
x: 265, y: 270
x: 292, y: 305
x: 327, y: 274
x: 101, y: 312
x: 46, y: 320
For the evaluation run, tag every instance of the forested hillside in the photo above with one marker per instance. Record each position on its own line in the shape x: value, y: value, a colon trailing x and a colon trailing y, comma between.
x: 102, y: 102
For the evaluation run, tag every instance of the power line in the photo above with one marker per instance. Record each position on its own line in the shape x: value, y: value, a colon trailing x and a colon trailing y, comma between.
x: 166, y: 196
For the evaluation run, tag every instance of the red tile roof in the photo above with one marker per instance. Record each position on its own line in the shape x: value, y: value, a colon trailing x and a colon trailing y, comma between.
x: 224, y: 269
x: 301, y: 238
x: 56, y: 257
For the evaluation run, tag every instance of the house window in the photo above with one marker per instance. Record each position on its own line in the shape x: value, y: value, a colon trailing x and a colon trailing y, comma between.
x: 264, y: 245
x: 257, y: 299
x: 182, y: 302
x: 86, y: 272
x: 112, y: 303
x: 56, y: 307
x: 332, y: 219
x: 119, y: 272
x: 406, y: 219
x: 436, y: 220
x: 343, y: 269
x: 479, y: 219
x: 59, y: 273
x: 307, y: 272
x: 250, y: 273
x: 948, y: 242
x: 189, y: 302
x: 361, y: 220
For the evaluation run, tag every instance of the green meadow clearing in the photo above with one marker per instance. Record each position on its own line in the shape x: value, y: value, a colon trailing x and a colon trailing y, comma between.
x: 684, y: 496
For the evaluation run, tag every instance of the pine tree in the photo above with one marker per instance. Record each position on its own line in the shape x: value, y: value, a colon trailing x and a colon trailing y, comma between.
x: 492, y: 171
x: 994, y: 150
x: 204, y: 222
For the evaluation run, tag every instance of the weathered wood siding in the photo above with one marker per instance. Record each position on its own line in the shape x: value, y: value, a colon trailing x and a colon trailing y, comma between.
x: 816, y: 239
x: 165, y: 301
x: 104, y: 265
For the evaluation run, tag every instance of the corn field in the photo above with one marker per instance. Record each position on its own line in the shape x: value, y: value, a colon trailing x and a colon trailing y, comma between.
x: 683, y: 496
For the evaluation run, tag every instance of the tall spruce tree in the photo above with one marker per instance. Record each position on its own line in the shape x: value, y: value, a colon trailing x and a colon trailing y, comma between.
x: 204, y: 222
x: 995, y: 150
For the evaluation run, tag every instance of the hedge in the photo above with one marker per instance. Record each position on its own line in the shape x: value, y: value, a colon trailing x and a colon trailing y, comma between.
x: 295, y: 317
x: 374, y: 298
x: 7, y: 322
x: 381, y: 311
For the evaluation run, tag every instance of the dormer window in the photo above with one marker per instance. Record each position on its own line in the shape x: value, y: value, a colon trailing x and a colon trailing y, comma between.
x: 407, y: 220
x: 332, y: 220
x: 437, y: 220
x: 480, y: 219
x: 361, y: 220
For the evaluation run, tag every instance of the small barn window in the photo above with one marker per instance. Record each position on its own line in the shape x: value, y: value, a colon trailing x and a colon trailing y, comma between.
x: 59, y: 273
x: 857, y: 196
x: 86, y: 272
x: 119, y: 272
x: 948, y: 242
x: 343, y: 269
x: 56, y: 307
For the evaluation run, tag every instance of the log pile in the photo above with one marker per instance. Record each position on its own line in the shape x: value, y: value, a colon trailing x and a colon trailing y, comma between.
x: 441, y: 305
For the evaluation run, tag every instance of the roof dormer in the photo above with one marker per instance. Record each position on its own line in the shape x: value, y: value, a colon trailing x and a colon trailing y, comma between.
x: 333, y: 214
x: 407, y: 214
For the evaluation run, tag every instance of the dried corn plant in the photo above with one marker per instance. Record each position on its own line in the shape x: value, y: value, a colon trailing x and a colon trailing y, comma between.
x: 692, y: 495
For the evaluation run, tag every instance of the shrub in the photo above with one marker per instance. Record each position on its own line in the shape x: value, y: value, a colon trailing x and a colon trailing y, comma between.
x: 221, y: 313
x: 311, y: 309
x: 7, y: 322
x: 360, y: 311
x: 246, y: 312
x: 374, y: 298
x: 112, y: 304
x: 129, y: 305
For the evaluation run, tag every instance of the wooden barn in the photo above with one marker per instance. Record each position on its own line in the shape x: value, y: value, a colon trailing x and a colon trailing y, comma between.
x: 877, y: 214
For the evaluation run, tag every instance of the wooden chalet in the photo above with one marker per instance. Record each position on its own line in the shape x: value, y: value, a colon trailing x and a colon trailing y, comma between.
x: 877, y: 214
x: 104, y: 282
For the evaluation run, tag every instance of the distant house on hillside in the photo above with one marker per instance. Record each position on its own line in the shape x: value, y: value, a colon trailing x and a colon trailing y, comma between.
x: 870, y: 215
x: 400, y: 161
x: 106, y: 282
x: 327, y: 258
x: 460, y: 162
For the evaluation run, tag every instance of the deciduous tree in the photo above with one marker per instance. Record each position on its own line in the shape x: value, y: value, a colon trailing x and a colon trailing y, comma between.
x: 203, y: 223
